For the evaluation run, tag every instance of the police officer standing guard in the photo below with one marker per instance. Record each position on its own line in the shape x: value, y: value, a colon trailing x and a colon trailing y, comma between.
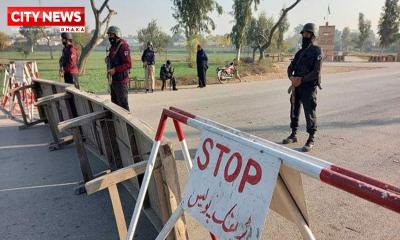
x: 68, y: 61
x: 305, y: 74
x: 149, y: 59
x: 119, y: 61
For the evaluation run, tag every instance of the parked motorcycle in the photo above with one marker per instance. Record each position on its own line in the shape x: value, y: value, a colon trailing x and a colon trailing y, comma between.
x: 227, y: 72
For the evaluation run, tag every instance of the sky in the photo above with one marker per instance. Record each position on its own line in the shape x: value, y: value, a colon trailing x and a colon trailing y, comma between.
x: 133, y: 15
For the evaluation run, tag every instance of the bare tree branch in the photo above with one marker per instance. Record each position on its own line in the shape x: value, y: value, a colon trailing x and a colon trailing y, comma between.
x: 105, y: 4
x: 107, y: 20
x: 99, y: 32
x: 93, y: 5
x: 273, y: 29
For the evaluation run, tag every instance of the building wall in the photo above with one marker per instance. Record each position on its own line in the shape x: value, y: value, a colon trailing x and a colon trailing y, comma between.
x: 326, y: 40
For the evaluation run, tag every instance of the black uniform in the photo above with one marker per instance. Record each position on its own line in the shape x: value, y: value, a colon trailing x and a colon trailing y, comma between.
x: 306, y: 64
x: 167, y: 72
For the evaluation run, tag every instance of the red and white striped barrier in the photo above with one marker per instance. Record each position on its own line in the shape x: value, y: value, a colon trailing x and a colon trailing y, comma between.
x: 355, y: 183
x: 365, y: 187
x: 18, y: 75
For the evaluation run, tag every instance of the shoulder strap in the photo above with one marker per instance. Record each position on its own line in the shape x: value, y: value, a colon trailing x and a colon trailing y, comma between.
x: 117, y: 50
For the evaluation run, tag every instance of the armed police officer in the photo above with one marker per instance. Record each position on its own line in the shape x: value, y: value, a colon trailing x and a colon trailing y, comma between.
x: 305, y: 74
x: 119, y: 64
x: 68, y: 61
x: 149, y: 60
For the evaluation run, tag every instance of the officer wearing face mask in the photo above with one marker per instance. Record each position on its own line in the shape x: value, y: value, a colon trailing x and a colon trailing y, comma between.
x: 305, y: 74
x: 119, y: 64
x: 68, y: 61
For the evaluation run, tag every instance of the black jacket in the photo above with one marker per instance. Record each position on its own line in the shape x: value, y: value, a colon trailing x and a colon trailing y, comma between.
x: 149, y: 56
x: 166, y: 72
x: 307, y: 64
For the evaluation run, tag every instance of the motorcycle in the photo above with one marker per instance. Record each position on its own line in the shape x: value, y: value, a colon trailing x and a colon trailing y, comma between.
x: 227, y: 72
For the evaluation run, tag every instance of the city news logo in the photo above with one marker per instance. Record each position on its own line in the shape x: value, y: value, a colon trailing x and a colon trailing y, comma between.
x: 69, y: 19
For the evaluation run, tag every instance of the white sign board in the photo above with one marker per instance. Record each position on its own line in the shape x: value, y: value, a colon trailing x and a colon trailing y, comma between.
x: 230, y: 187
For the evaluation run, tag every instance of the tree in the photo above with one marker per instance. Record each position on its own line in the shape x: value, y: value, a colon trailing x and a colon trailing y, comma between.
x: 282, y: 28
x: 388, y: 28
x: 81, y: 39
x: 48, y: 34
x: 242, y: 16
x: 153, y: 33
x: 177, y: 36
x: 99, y: 33
x: 4, y: 40
x: 371, y: 41
x: 223, y: 40
x: 338, y: 40
x: 346, y: 39
x: 364, y: 26
x: 193, y: 16
x: 258, y: 28
x: 268, y: 37
x: 32, y: 34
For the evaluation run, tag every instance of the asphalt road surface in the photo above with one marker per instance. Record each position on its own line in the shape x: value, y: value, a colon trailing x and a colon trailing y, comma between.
x: 359, y: 128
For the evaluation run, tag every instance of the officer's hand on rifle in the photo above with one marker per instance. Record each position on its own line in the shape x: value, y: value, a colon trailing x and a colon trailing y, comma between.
x: 111, y: 71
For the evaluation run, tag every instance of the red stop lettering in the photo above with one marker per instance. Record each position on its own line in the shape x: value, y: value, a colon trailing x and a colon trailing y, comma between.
x: 251, y: 179
x: 223, y: 149
x: 204, y: 165
x: 231, y: 177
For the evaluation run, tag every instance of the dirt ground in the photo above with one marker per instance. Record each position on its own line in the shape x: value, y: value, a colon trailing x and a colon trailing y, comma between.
x: 279, y: 71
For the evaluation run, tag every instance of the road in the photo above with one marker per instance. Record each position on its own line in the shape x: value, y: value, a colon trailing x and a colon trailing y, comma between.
x: 359, y: 128
x: 37, y: 200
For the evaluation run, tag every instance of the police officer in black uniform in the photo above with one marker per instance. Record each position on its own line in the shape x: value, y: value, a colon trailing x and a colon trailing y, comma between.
x: 305, y: 74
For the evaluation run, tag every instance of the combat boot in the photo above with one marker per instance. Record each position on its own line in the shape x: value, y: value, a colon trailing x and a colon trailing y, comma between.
x: 309, y: 144
x: 291, y: 139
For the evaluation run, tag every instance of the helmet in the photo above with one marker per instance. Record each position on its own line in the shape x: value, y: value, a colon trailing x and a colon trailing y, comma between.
x: 309, y: 27
x: 115, y: 30
x: 66, y: 35
x: 168, y: 62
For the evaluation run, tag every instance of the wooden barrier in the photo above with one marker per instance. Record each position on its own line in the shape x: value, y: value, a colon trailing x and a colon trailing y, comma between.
x: 121, y: 142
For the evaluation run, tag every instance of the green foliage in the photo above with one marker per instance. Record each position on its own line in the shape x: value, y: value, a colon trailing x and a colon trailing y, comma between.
x: 346, y: 39
x: 4, y: 40
x: 153, y: 33
x: 81, y: 39
x: 32, y: 34
x: 389, y: 23
x: 193, y: 16
x: 283, y: 27
x: 364, y: 26
x: 94, y: 80
x: 242, y: 16
x: 258, y: 30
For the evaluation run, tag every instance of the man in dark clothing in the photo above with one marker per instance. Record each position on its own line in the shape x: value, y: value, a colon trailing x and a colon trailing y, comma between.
x: 305, y: 74
x: 202, y: 66
x: 149, y: 60
x: 119, y: 61
x: 167, y: 72
x: 68, y: 61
